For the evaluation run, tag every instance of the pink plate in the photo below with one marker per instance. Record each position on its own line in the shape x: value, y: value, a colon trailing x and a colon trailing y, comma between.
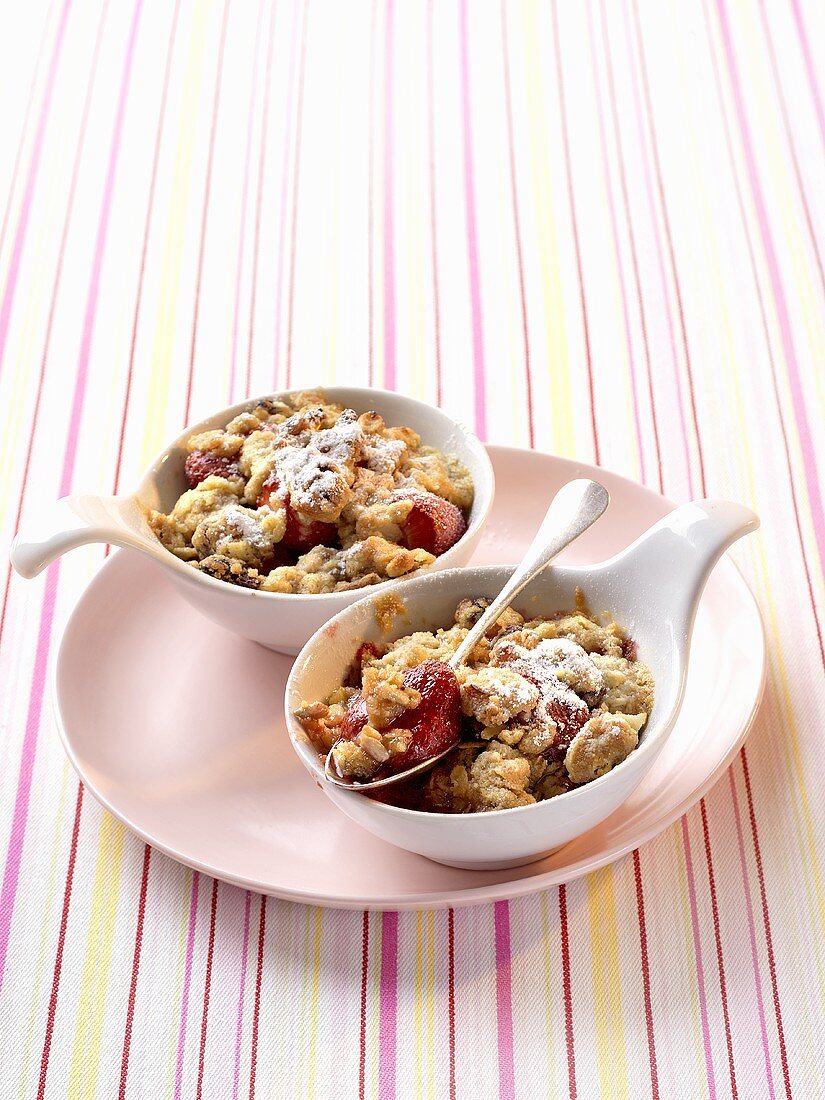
x: 177, y: 726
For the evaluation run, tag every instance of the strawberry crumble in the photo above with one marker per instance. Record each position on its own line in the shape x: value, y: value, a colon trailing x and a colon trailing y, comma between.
x: 302, y: 495
x: 541, y: 706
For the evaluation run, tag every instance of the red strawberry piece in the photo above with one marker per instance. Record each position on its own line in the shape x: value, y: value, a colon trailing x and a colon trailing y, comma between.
x: 200, y: 465
x: 301, y: 533
x: 279, y: 556
x: 569, y: 719
x: 435, y: 723
x: 433, y: 524
x: 366, y: 651
x: 568, y: 712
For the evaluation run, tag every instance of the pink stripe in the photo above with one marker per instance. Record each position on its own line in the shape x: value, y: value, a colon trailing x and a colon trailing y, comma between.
x: 236, y: 1074
x: 28, y: 193
x: 296, y: 191
x: 187, y: 981
x: 634, y: 385
x: 660, y: 263
x: 207, y: 191
x: 700, y: 970
x: 433, y: 209
x: 611, y: 98
x: 97, y: 264
x: 786, y: 122
x: 11, y: 872
x: 504, y: 1001
x: 525, y: 327
x: 56, y: 284
x: 130, y: 370
x: 810, y: 68
x: 389, y: 229
x: 244, y: 189
x: 388, y: 1006
x: 371, y: 201
x: 797, y: 395
x: 760, y: 1007
x: 258, y: 200
x: 677, y: 289
x: 768, y: 344
x: 18, y: 156
x: 279, y: 291
x: 472, y: 241
x: 574, y: 226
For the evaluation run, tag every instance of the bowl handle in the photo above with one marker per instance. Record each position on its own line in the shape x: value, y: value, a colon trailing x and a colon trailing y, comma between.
x: 75, y: 521
x: 680, y: 551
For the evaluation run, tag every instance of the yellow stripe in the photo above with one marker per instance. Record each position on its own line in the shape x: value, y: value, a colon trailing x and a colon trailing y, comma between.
x: 417, y: 999
x: 561, y: 412
x: 27, y: 362
x: 409, y: 136
x: 333, y: 273
x: 607, y: 998
x: 313, y: 1006
x: 88, y: 1034
x: 430, y: 1004
x: 163, y: 342
x: 377, y: 212
x: 784, y: 201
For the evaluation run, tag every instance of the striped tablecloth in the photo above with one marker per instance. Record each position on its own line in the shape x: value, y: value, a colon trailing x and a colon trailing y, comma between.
x: 595, y: 229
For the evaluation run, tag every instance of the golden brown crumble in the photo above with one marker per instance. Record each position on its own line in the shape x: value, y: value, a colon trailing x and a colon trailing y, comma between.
x: 388, y: 608
x: 311, y: 498
x: 548, y: 704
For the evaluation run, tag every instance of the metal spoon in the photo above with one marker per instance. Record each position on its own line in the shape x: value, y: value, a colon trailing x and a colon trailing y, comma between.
x: 575, y: 507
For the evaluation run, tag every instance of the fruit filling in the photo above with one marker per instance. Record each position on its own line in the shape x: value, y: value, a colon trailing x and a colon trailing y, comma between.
x: 541, y: 706
x: 303, y: 495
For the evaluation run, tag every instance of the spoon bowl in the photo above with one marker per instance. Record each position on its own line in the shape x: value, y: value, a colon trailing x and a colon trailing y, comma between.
x: 652, y: 588
x: 574, y: 508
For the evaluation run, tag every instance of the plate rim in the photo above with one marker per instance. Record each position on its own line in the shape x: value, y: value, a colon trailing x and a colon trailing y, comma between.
x: 452, y: 898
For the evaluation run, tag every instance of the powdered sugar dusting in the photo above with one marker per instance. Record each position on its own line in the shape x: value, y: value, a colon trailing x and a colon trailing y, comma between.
x: 383, y: 456
x: 317, y: 470
x: 241, y: 524
x: 559, y: 706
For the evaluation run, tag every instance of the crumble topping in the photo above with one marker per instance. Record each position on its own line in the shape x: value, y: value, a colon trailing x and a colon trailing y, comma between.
x: 540, y: 713
x: 311, y: 497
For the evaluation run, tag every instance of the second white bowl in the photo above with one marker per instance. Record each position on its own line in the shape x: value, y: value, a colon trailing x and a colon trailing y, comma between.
x: 652, y: 589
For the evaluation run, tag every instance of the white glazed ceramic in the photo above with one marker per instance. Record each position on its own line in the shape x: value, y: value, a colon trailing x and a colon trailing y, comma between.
x: 277, y: 620
x: 652, y: 589
x: 208, y: 775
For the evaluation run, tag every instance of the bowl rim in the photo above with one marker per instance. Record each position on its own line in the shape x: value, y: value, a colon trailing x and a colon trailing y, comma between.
x: 644, y: 749
x: 182, y: 568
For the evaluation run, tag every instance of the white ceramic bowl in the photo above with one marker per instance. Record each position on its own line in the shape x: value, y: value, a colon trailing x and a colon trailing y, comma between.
x: 277, y: 620
x: 652, y: 588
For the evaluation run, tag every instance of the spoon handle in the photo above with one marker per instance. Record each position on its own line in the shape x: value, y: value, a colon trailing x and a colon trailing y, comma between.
x: 574, y: 508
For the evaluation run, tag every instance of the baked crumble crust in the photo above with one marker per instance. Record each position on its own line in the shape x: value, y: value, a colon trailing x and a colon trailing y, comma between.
x: 547, y: 705
x: 315, y: 498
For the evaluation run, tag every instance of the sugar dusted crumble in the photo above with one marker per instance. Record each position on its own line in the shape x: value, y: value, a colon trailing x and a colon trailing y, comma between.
x: 303, y: 495
x: 542, y: 706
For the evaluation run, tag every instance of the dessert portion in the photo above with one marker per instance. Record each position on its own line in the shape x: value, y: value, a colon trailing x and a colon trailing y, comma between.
x: 541, y: 706
x: 302, y: 495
